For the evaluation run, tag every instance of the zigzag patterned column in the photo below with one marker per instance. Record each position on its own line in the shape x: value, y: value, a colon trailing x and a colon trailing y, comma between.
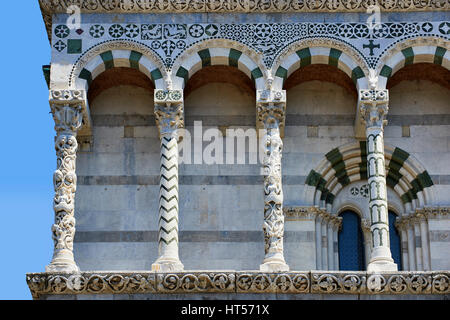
x: 271, y: 106
x: 67, y: 110
x: 373, y: 106
x: 169, y: 118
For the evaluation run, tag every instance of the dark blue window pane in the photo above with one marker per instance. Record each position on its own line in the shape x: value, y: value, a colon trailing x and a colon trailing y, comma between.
x: 351, y: 244
x: 394, y: 239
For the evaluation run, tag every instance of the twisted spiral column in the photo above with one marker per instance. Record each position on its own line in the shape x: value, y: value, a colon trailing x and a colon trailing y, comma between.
x: 271, y: 107
x: 67, y: 110
x: 169, y: 118
x: 373, y: 106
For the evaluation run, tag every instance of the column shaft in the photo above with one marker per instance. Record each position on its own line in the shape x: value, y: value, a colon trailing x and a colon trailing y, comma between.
x: 68, y: 119
x: 374, y: 109
x: 169, y: 118
x: 271, y: 109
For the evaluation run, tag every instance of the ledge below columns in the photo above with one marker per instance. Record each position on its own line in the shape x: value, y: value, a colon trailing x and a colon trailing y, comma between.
x: 222, y: 284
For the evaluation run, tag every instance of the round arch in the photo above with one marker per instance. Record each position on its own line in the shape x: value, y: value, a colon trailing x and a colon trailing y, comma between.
x: 111, y: 54
x: 348, y: 163
x: 412, y: 51
x: 327, y: 51
x: 219, y: 52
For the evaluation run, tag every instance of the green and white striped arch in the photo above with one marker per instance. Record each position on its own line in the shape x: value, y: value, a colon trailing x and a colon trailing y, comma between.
x: 320, y: 55
x: 119, y: 58
x: 417, y: 54
x: 346, y: 164
x: 218, y: 56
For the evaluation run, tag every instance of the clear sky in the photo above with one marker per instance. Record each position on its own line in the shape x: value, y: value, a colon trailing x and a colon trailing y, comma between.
x: 28, y: 157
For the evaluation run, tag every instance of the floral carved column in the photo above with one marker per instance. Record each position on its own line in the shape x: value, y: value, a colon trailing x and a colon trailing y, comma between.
x: 169, y: 118
x: 67, y: 109
x: 373, y: 106
x: 271, y: 106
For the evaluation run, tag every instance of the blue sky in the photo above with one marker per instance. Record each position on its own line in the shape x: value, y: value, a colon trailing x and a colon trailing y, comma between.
x: 27, y: 157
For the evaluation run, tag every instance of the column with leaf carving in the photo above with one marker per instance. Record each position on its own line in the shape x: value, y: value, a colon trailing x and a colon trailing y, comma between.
x: 271, y: 107
x: 373, y: 106
x: 67, y: 109
x: 169, y: 114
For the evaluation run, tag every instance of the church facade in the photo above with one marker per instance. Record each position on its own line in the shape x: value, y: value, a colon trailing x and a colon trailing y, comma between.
x: 249, y: 149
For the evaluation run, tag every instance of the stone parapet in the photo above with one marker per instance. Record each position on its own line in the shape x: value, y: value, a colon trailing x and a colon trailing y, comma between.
x: 238, y: 282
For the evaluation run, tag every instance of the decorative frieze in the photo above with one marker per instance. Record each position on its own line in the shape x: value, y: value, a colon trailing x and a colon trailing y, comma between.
x: 214, y: 281
x: 286, y: 282
x: 91, y: 283
x: 195, y: 282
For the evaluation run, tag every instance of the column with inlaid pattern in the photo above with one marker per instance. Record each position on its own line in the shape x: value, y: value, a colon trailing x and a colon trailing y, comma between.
x: 373, y: 106
x: 67, y: 109
x: 271, y: 107
x: 169, y: 118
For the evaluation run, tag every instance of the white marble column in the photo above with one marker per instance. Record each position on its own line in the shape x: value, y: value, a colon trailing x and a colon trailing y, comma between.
x: 336, y: 225
x: 318, y: 242
x: 401, y: 225
x: 415, y: 221
x: 411, y: 247
x: 373, y: 106
x: 271, y: 106
x: 323, y: 241
x: 425, y: 244
x: 169, y: 113
x: 67, y: 110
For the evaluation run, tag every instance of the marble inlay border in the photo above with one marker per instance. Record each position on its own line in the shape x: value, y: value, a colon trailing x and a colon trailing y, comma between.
x: 229, y: 281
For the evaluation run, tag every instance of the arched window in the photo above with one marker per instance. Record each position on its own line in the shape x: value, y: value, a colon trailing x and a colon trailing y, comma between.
x: 394, y: 239
x: 351, y: 244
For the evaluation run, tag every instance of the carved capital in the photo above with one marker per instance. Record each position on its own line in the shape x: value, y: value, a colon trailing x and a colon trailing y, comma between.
x: 373, y: 107
x: 271, y: 108
x: 67, y: 107
x: 169, y: 111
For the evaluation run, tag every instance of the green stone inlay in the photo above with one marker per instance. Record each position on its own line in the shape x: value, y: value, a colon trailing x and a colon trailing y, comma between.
x: 357, y: 73
x: 424, y: 180
x: 134, y: 59
x: 439, y: 55
x: 282, y: 73
x: 327, y: 196
x: 409, y: 55
x: 156, y: 74
x: 313, y: 178
x: 46, y: 71
x: 363, y: 168
x: 393, y: 177
x: 256, y: 73
x: 108, y: 59
x: 386, y: 71
x: 305, y: 57
x: 206, y: 57
x: 183, y: 73
x: 74, y: 46
x: 399, y: 155
x: 86, y: 75
x: 233, y: 57
x: 333, y: 59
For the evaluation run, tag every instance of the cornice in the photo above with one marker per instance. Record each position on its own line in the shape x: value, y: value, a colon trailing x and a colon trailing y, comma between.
x: 247, y: 6
x: 50, y: 7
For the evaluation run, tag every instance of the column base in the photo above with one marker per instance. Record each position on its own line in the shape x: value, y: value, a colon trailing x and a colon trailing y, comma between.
x: 273, y: 265
x: 167, y: 265
x: 62, y: 267
x: 380, y: 265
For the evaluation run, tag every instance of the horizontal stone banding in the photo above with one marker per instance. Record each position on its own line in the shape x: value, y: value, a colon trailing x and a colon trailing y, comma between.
x: 188, y: 236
